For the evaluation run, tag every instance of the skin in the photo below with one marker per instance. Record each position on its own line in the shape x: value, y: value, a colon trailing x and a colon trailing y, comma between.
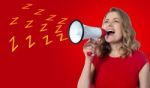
x: 111, y: 22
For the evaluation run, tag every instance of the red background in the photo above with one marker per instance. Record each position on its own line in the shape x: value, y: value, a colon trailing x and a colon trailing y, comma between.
x: 59, y: 64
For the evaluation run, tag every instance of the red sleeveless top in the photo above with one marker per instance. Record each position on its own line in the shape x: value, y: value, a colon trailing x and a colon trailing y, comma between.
x: 115, y: 72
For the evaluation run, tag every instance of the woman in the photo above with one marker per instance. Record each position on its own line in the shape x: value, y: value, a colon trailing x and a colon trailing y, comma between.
x: 116, y: 61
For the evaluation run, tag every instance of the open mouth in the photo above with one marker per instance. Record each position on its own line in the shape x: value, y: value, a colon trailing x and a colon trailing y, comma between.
x: 110, y: 32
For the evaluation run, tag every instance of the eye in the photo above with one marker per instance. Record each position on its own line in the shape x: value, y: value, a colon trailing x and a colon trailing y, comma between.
x: 116, y: 21
x: 106, y: 21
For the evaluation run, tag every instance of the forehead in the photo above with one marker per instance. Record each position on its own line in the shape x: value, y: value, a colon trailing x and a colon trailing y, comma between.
x: 113, y: 15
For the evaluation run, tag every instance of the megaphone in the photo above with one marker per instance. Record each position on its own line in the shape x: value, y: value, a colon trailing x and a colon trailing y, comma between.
x: 79, y: 31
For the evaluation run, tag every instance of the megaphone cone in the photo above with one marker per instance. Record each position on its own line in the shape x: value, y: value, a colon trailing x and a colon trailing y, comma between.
x: 79, y: 31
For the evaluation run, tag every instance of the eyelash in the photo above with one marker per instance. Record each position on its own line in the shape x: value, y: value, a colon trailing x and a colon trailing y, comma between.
x: 105, y: 21
x: 114, y: 21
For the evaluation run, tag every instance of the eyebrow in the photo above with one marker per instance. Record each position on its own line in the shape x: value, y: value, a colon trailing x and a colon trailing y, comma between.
x: 113, y: 18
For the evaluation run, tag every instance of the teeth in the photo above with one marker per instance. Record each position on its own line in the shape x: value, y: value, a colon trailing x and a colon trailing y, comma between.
x: 110, y: 31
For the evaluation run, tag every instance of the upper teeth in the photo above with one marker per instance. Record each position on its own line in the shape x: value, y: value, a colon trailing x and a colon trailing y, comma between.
x: 110, y: 31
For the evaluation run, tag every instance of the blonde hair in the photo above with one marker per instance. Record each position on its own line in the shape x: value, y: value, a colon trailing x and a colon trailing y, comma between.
x: 129, y: 42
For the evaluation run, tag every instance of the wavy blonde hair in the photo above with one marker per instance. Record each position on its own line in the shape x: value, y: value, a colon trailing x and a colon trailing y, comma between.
x: 129, y: 42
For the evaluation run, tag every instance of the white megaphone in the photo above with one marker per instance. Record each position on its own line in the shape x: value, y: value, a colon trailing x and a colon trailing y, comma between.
x: 79, y: 31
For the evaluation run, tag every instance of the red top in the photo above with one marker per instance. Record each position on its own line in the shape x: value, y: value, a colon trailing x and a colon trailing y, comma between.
x: 115, y: 72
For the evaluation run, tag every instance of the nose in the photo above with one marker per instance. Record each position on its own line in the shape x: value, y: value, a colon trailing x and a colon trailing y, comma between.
x: 110, y: 24
x: 107, y: 26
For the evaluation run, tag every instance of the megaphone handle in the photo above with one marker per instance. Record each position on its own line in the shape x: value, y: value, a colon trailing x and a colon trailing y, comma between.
x: 89, y: 53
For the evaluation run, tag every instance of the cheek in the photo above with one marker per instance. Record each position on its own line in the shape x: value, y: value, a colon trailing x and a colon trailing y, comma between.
x: 118, y: 28
x: 119, y: 34
x: 103, y: 26
x: 119, y: 31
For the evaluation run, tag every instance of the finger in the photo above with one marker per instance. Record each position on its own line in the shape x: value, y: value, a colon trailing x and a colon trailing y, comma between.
x: 89, y: 46
x: 99, y: 41
x: 91, y: 40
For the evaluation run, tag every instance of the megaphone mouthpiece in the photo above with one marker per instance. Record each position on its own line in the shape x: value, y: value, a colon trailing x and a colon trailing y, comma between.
x: 103, y: 32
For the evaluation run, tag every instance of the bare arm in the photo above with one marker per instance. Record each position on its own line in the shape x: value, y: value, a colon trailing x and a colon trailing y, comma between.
x: 86, y: 75
x: 144, y: 76
x: 88, y: 69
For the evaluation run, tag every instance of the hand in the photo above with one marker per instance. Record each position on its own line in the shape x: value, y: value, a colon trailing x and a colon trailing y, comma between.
x: 89, y: 48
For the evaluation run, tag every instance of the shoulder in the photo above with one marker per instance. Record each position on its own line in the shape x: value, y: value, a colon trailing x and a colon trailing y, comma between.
x: 140, y: 59
x: 140, y: 56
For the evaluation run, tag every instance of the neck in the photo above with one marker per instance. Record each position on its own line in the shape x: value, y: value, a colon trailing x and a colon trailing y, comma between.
x: 115, y: 49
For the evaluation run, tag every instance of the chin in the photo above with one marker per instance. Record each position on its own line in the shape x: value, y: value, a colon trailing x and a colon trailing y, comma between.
x: 110, y: 41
